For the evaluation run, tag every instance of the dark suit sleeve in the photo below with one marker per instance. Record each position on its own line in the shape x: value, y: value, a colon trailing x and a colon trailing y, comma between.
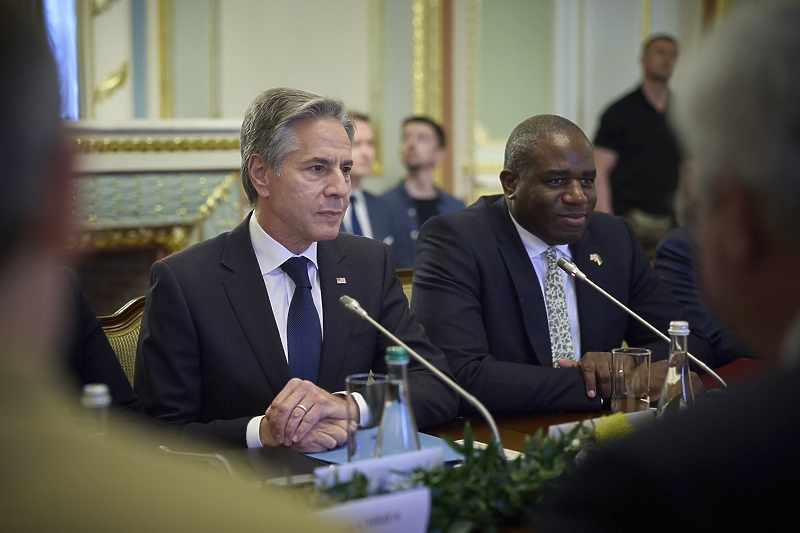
x: 464, y: 302
x: 168, y: 373
x: 434, y: 402
x: 673, y: 264
x: 91, y: 356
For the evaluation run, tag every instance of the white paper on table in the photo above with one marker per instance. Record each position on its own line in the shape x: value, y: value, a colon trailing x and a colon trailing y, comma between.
x: 406, y: 511
x: 637, y: 420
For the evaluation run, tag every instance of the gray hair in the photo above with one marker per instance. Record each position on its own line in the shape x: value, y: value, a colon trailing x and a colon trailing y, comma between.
x: 267, y: 127
x: 30, y: 124
x: 520, y: 148
x: 740, y: 112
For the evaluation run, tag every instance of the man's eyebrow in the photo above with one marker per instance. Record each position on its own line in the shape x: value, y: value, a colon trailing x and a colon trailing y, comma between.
x: 562, y: 173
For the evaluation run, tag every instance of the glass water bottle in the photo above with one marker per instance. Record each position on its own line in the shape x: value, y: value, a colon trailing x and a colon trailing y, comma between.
x: 398, y: 430
x: 678, y: 383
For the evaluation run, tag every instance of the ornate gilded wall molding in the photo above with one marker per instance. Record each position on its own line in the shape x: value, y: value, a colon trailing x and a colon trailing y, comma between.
x: 100, y: 6
x: 646, y: 15
x: 155, y: 144
x: 426, y: 58
x: 110, y: 83
x: 165, y: 48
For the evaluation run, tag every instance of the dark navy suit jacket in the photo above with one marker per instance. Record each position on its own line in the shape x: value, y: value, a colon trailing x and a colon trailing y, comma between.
x: 673, y: 263
x: 477, y: 296
x: 210, y: 356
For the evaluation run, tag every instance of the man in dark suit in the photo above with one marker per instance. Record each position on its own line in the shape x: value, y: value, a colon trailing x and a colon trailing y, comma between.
x: 230, y: 345
x: 367, y: 214
x: 729, y: 465
x: 482, y: 280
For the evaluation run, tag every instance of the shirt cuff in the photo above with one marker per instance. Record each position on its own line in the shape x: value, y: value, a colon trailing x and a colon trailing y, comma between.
x: 253, y: 433
x: 365, y: 416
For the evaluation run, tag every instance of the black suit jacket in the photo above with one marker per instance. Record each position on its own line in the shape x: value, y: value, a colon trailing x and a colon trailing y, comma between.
x: 477, y: 296
x: 210, y: 356
x: 727, y: 464
x: 88, y: 355
x: 673, y: 264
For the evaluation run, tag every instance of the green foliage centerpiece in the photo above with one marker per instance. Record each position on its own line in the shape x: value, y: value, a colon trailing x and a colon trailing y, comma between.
x: 485, y: 491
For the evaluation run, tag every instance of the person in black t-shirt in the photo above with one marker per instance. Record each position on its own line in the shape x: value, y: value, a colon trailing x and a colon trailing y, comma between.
x: 636, y: 153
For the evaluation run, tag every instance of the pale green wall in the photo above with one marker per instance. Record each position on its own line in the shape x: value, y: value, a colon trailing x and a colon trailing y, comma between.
x: 515, y: 70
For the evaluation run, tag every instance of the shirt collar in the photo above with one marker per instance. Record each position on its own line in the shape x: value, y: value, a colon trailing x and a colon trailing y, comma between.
x: 358, y: 193
x: 536, y: 246
x: 270, y: 253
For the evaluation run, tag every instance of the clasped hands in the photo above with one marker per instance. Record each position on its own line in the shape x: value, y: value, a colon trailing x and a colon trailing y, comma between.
x: 306, y: 418
x: 596, y: 368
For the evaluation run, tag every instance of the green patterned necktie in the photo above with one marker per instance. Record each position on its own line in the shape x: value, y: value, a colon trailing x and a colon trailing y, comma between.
x: 557, y: 317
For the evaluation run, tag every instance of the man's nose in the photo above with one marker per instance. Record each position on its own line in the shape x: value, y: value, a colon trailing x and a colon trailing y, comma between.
x: 338, y: 184
x: 574, y: 193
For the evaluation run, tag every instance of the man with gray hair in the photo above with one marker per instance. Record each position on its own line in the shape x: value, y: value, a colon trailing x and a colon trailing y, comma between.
x: 243, y: 336
x: 733, y: 464
x: 518, y: 332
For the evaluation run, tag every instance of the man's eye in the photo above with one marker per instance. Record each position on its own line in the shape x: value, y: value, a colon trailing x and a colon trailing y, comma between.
x: 587, y: 182
x: 318, y: 168
x: 346, y: 170
x: 556, y: 182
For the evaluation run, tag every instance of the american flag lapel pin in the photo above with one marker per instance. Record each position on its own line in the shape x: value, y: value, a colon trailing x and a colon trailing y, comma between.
x: 341, y: 281
x: 596, y: 258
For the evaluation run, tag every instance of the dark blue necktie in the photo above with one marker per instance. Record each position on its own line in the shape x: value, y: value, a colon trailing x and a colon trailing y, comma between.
x: 303, y: 331
x: 354, y: 217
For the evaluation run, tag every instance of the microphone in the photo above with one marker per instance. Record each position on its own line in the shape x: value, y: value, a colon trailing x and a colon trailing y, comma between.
x: 570, y: 268
x: 352, y: 305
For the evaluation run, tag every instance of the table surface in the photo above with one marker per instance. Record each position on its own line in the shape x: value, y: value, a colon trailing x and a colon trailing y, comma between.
x: 265, y: 463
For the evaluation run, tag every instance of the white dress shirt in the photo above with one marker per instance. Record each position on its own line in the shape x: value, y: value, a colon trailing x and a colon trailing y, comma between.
x: 536, y: 248
x: 280, y: 288
x: 360, y: 211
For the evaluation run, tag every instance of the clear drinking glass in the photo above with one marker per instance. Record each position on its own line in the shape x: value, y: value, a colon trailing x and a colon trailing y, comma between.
x: 630, y: 380
x: 362, y: 431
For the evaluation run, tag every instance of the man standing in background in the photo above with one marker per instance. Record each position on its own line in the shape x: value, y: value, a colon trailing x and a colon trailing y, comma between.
x: 636, y: 153
x: 416, y: 199
x: 367, y: 214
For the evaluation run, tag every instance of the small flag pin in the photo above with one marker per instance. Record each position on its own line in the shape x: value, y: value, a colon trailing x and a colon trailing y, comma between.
x: 596, y: 259
x: 341, y: 281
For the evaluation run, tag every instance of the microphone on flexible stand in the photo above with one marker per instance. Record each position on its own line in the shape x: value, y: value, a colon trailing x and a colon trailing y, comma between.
x: 570, y: 268
x: 352, y: 305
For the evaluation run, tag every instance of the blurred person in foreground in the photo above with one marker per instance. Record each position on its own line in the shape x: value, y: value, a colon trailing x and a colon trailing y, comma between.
x: 731, y: 464
x: 54, y: 476
x: 367, y: 213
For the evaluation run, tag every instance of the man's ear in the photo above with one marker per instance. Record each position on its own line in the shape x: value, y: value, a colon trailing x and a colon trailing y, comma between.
x: 260, y: 174
x: 509, y: 180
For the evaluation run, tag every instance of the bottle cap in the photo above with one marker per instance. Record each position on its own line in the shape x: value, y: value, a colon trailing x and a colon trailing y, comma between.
x: 96, y: 395
x: 396, y: 354
x: 679, y: 327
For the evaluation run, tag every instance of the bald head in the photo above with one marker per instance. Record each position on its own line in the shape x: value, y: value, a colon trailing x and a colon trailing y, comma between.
x: 548, y: 179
